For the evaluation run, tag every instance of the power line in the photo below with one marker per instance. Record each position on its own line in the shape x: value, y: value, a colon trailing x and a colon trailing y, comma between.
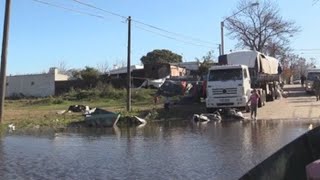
x: 68, y: 9
x: 142, y: 23
x: 177, y: 34
x: 94, y: 7
x: 103, y: 17
x: 307, y: 50
x: 172, y: 38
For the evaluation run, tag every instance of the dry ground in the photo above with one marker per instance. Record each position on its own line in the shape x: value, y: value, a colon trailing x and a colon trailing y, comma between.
x: 298, y: 105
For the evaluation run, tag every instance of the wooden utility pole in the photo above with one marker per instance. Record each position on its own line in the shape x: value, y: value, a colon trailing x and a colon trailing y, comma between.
x: 128, y: 66
x: 4, y: 57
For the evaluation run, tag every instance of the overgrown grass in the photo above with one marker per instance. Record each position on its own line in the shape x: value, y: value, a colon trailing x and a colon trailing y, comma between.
x: 35, y: 112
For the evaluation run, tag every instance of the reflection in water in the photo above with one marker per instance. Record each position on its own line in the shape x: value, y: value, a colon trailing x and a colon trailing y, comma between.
x: 162, y: 150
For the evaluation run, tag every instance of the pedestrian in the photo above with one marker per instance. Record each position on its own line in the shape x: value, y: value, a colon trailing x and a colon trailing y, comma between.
x: 302, y: 79
x: 316, y: 87
x: 254, y: 100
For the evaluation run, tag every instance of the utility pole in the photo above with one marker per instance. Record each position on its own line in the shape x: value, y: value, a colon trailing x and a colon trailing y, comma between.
x: 222, y: 39
x: 128, y: 66
x: 4, y: 57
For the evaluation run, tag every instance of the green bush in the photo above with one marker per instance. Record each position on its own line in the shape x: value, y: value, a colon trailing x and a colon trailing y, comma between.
x: 86, y: 94
x: 110, y: 92
x: 142, y: 94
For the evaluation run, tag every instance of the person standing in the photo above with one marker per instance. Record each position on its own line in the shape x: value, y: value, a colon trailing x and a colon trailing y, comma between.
x: 316, y: 87
x: 254, y: 100
x: 302, y: 79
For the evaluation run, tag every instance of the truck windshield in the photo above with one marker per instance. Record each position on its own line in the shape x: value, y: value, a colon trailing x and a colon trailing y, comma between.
x: 225, y: 74
x: 312, y: 75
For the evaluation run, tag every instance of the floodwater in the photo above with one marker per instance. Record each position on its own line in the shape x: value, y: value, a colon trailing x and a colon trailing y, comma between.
x: 166, y: 150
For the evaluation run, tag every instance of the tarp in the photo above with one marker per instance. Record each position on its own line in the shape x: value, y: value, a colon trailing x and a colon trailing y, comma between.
x: 253, y: 59
x: 269, y: 65
x: 172, y: 88
x: 156, y: 83
x: 243, y: 58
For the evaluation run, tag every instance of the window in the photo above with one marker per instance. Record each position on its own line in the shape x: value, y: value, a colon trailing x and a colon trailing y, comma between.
x: 312, y: 75
x: 225, y: 75
x: 32, y: 83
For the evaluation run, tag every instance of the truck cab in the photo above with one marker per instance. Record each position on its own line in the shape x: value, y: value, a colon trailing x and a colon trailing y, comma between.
x: 228, y: 86
x: 311, y: 76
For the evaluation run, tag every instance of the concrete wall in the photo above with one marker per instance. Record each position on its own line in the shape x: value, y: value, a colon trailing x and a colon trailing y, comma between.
x: 37, y: 85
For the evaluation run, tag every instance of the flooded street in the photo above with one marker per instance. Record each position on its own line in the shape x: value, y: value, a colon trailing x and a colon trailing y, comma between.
x: 166, y: 150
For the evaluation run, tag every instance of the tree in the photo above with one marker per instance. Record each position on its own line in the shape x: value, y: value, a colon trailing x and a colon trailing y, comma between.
x: 90, y: 75
x: 62, y: 67
x: 161, y: 56
x: 295, y: 65
x: 259, y: 27
x: 74, y: 73
x: 103, y: 68
x: 205, y: 63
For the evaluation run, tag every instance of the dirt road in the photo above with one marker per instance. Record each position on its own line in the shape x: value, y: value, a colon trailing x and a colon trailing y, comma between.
x: 298, y: 105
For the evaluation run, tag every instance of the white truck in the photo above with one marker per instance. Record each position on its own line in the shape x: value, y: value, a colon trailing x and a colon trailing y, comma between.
x: 311, y: 76
x: 229, y: 84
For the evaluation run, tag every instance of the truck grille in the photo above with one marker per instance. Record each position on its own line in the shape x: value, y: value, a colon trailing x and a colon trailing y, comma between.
x: 224, y: 91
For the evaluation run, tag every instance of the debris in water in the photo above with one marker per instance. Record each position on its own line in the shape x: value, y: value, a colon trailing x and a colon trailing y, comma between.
x: 11, y: 127
x: 310, y: 126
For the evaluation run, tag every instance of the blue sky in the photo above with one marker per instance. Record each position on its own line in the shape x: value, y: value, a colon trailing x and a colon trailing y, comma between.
x: 42, y: 36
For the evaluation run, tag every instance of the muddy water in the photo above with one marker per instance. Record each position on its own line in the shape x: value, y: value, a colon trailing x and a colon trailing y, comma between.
x: 167, y: 150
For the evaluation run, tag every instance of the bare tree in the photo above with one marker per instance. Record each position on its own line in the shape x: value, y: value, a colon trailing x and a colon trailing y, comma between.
x: 260, y: 27
x: 295, y: 65
x: 62, y: 67
x: 103, y: 68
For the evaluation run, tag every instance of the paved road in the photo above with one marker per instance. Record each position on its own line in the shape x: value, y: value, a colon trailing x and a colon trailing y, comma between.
x: 298, y: 105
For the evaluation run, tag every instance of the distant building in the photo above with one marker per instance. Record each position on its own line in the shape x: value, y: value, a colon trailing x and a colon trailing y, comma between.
x: 119, y: 76
x: 192, y: 68
x: 34, y: 85
x: 163, y: 70
x: 122, y: 72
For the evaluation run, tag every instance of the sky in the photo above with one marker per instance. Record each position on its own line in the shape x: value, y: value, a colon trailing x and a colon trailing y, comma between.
x: 43, y: 36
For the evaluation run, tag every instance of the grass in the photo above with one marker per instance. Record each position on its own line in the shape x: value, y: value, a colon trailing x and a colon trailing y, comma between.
x: 33, y: 113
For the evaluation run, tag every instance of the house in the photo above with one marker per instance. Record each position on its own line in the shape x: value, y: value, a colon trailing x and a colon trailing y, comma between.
x: 34, y: 85
x: 136, y: 71
x: 191, y: 67
x: 119, y: 76
x: 163, y: 70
